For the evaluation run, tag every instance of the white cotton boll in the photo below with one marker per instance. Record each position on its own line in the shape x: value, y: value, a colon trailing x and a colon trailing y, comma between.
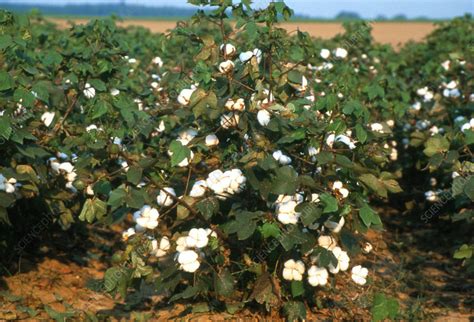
x: 288, y: 218
x: 281, y: 158
x: 47, y: 118
x: 230, y: 120
x: 422, y: 91
x: 390, y: 123
x: 226, y: 66
x: 187, y: 136
x: 466, y: 127
x: 451, y: 85
x: 416, y: 106
x: 455, y: 174
x: 7, y: 185
x: 340, y: 53
x: 446, y: 64
x: 181, y: 244
x: 312, y: 151
x: 337, y: 185
x: 212, y: 140
x: 184, y: 97
x: 71, y: 187
x: 132, y: 61
x: 154, y: 85
x: 293, y: 270
x: 359, y: 274
x: 428, y: 96
x: 70, y: 177
x: 128, y: 233
x: 263, y: 117
x: 157, y: 61
x: 164, y: 198
x: 342, y: 261
x: 228, y: 50
x: 317, y: 276
x: 258, y: 54
x: 367, y: 248
x: 376, y: 127
x: 325, y: 53
x: 66, y: 167
x: 149, y: 212
x: 239, y: 105
x: 191, y: 267
x: 245, y: 56
x: 89, y: 91
x: 431, y: 196
x: 197, y: 237
x: 90, y: 190
x: 198, y: 189
x: 327, y: 242
x: 187, y: 257
x: 335, y: 227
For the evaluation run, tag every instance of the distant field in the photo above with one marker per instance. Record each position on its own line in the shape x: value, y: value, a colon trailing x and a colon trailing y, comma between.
x: 394, y: 33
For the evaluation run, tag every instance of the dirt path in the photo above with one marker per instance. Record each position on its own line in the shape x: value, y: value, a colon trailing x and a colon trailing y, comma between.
x: 393, y: 33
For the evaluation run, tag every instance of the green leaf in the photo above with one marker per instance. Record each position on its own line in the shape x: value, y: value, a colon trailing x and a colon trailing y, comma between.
x: 208, y: 207
x: 93, y: 209
x: 374, y: 183
x: 329, y: 202
x: 469, y: 187
x: 374, y: 90
x: 465, y: 251
x: 5, y: 127
x: 179, y: 151
x: 384, y: 307
x: 100, y: 108
x: 369, y: 217
x: 6, y: 81
x: 270, y: 230
x: 134, y: 174
x: 294, y: 311
x: 224, y: 283
x: 436, y: 144
x: 297, y: 288
x: 285, y: 181
x: 361, y: 133
x: 310, y: 212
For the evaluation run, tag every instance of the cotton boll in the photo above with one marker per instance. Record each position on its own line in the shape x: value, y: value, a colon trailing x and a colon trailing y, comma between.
x: 325, y: 53
x: 198, y: 189
x: 422, y: 91
x: 376, y: 127
x: 226, y: 66
x: 312, y: 151
x: 89, y: 91
x: 317, y: 276
x: 181, y: 244
x: 230, y: 120
x: 359, y: 274
x: 263, y: 117
x: 66, y: 167
x: 446, y: 64
x: 157, y: 61
x: 184, y: 97
x: 281, y: 158
x: 335, y: 227
x: 164, y: 199
x: 342, y: 261
x: 245, y: 56
x: 367, y: 248
x: 191, y: 267
x: 128, y: 233
x: 293, y: 270
x: 228, y: 50
x: 340, y: 53
x: 327, y: 242
x: 47, y: 118
x: 212, y: 140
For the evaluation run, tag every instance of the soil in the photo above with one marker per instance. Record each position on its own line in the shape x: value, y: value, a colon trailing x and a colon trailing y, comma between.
x: 410, y: 261
x: 393, y: 33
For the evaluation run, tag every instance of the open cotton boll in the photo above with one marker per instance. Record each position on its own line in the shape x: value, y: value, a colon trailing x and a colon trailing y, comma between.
x: 376, y: 127
x: 157, y: 61
x: 228, y: 50
x: 181, y: 244
x: 359, y: 274
x: 188, y: 261
x: 187, y: 135
x: 342, y: 261
x: 325, y: 53
x: 66, y: 167
x: 327, y: 242
x: 47, y: 118
x: 7, y: 185
x: 245, y: 56
x: 128, y: 233
x: 212, y: 140
x: 446, y: 64
x: 197, y: 237
x: 198, y: 189
x: 162, y: 249
x: 184, y: 97
x: 293, y: 270
x: 263, y: 117
x: 367, y: 248
x: 164, y: 199
x: 335, y: 227
x: 422, y: 91
x: 281, y: 158
x: 89, y: 91
x: 70, y: 187
x: 226, y: 67
x: 317, y: 276
x: 340, y: 52
x: 230, y: 120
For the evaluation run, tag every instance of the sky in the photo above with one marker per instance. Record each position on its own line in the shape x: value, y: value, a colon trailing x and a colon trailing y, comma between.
x: 324, y: 8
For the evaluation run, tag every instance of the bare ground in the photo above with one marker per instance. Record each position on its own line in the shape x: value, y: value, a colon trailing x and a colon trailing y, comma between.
x: 394, y: 33
x: 410, y: 262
